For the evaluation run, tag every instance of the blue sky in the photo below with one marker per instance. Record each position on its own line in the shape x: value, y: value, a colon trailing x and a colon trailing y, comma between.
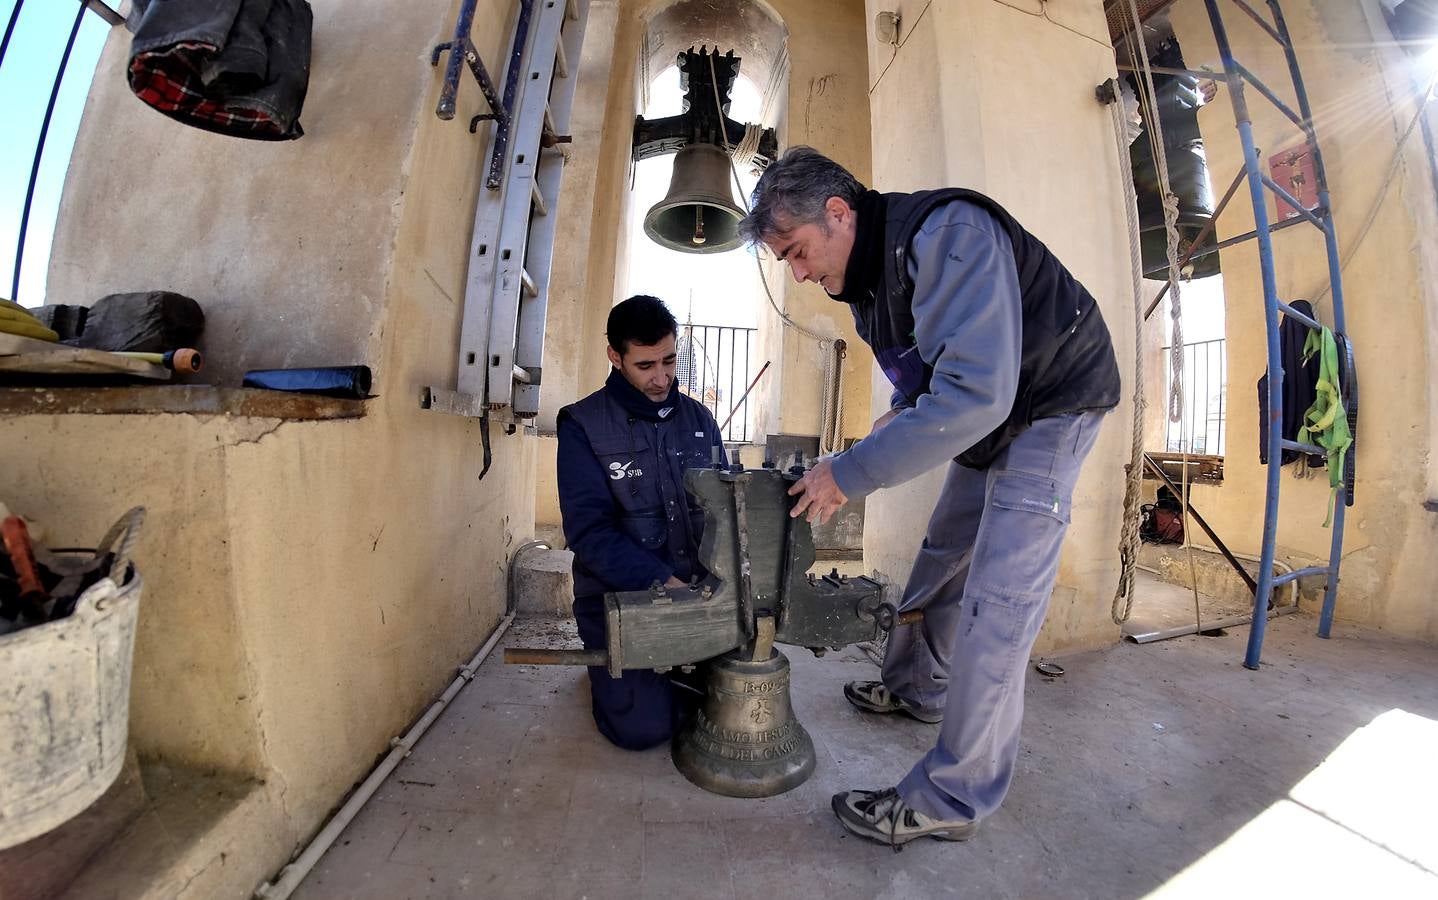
x: 26, y: 76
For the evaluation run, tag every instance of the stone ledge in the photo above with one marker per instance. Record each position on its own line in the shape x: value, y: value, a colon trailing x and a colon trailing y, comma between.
x: 543, y: 583
x: 199, y: 836
x: 191, y: 399
x: 42, y: 867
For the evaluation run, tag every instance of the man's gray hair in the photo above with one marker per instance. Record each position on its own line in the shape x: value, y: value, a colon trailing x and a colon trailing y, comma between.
x: 793, y: 191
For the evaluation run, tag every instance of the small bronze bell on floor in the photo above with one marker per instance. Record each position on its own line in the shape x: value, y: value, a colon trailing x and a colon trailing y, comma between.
x: 744, y: 741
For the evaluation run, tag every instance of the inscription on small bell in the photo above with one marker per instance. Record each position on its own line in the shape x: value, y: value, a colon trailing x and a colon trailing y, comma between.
x: 745, y: 741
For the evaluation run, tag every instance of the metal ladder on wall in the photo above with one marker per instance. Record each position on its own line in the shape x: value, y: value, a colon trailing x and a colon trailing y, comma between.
x: 512, y: 247
x: 1321, y: 216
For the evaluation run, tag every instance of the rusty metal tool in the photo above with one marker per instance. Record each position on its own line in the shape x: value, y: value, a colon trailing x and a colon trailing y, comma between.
x: 33, y: 595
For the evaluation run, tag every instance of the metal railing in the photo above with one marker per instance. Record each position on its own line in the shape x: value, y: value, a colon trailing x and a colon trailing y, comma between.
x: 1203, y: 426
x: 110, y: 16
x: 714, y: 366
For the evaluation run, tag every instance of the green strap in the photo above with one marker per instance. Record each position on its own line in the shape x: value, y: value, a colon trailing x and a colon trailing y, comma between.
x: 1326, y: 422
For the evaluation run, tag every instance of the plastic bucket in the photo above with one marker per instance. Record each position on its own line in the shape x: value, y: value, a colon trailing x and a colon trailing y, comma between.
x: 65, y: 710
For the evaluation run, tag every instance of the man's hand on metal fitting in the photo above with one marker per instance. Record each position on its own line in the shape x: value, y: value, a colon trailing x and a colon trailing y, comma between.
x: 820, y: 496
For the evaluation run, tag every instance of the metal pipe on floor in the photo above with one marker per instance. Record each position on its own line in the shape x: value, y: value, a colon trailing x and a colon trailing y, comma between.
x: 1164, y: 634
x: 291, y: 875
x: 543, y: 656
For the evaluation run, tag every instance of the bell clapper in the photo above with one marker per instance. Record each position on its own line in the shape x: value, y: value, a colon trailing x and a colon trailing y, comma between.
x: 698, y: 225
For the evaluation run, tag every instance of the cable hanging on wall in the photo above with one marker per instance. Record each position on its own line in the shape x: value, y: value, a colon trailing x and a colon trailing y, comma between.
x: 831, y: 411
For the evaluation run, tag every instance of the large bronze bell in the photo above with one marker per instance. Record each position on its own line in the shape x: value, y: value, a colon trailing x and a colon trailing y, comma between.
x: 1177, y: 101
x: 699, y: 214
x: 745, y: 741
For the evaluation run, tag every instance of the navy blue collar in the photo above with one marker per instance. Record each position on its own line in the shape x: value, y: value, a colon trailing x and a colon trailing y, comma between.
x: 866, y: 259
x: 634, y: 402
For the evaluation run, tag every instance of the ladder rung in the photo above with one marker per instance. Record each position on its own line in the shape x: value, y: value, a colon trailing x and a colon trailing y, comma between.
x: 1298, y: 573
x: 1261, y: 22
x: 1303, y: 448
x: 1306, y: 320
x: 1273, y: 98
x: 521, y: 376
x: 527, y: 283
x: 536, y: 198
x: 1294, y: 202
x: 561, y: 61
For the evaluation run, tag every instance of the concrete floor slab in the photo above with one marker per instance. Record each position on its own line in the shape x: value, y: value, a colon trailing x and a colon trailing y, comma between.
x: 1159, y: 768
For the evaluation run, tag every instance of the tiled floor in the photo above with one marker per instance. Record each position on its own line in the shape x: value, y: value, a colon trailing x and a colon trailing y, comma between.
x: 1166, y: 767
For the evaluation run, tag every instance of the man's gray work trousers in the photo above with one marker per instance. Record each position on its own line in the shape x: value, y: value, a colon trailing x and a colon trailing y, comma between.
x: 983, y: 579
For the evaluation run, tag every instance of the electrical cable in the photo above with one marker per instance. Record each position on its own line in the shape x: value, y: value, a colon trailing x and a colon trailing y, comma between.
x: 1043, y: 13
x: 734, y: 170
x: 900, y: 45
x: 892, y: 57
x: 1107, y: 45
x: 824, y: 342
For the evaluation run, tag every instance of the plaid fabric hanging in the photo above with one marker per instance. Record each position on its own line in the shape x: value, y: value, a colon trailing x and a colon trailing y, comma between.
x: 235, y: 67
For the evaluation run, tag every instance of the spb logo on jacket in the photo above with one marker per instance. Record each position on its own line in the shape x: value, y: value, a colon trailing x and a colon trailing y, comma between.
x: 628, y: 470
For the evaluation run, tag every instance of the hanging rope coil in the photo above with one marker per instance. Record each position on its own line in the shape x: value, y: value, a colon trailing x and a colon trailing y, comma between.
x: 831, y: 409
x: 748, y: 147
x: 1129, y: 540
x: 1147, y: 93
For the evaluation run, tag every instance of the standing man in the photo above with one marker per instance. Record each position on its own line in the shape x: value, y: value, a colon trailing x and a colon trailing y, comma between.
x: 627, y: 518
x: 1002, y: 369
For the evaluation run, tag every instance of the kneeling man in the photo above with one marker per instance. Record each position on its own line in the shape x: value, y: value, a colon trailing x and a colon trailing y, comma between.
x: 627, y: 518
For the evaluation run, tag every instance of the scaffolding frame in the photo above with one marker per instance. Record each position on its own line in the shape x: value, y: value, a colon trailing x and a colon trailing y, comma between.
x: 1238, y: 78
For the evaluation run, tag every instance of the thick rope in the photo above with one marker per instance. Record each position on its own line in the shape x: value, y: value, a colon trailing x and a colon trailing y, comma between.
x: 826, y: 401
x: 1138, y: 53
x: 831, y: 406
x: 1148, y: 97
x: 748, y: 147
x: 1129, y: 540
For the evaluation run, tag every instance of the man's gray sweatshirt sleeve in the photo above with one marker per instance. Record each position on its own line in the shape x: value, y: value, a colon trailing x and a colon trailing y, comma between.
x: 968, y: 322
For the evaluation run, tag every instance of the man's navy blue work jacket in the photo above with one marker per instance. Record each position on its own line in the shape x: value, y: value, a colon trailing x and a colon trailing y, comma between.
x: 622, y: 457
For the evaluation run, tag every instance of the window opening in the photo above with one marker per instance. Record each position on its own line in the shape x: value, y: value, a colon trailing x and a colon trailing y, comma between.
x: 46, y: 67
x: 714, y: 296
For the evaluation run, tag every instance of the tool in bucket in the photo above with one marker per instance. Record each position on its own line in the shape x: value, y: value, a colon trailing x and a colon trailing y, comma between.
x: 64, y: 715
